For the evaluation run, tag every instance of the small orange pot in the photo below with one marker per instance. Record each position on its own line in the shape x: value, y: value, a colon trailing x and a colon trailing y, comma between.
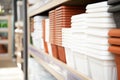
x: 45, y: 47
x: 114, y: 33
x: 61, y: 54
x: 117, y: 60
x: 2, y: 49
x: 116, y: 51
x: 54, y: 51
x: 114, y: 41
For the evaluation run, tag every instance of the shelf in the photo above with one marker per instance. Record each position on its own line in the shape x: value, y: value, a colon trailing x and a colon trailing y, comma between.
x: 6, y: 35
x: 47, y: 6
x: 3, y: 54
x: 55, y: 3
x: 3, y: 41
x: 3, y: 17
x: 57, y: 68
x: 60, y: 70
x: 3, y: 30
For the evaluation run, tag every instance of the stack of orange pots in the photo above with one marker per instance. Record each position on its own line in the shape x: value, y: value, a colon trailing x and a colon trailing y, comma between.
x: 114, y: 40
x: 52, y: 26
x: 61, y: 18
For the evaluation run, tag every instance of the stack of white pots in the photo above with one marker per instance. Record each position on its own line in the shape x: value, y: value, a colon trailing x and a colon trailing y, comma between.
x: 37, y: 34
x: 99, y: 22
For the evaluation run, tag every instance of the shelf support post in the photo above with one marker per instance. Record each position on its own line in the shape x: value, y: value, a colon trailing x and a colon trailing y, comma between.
x: 25, y: 43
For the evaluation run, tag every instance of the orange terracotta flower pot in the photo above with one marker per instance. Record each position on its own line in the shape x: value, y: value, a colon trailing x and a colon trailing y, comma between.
x: 117, y: 60
x: 45, y: 47
x: 54, y: 51
x: 114, y: 41
x: 61, y: 53
x: 114, y: 33
x: 116, y: 51
x: 2, y: 49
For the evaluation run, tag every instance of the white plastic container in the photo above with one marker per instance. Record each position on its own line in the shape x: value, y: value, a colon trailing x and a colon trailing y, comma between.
x: 100, y: 20
x: 99, y: 54
x: 39, y: 18
x: 98, y: 47
x: 37, y: 32
x: 101, y: 9
x: 101, y: 15
x: 81, y: 63
x: 38, y: 26
x: 41, y: 43
x: 66, y: 37
x: 37, y: 41
x: 78, y: 29
x: 98, y: 32
x: 69, y: 57
x: 97, y: 40
x: 102, y: 69
x: 80, y: 24
x: 47, y: 30
x: 103, y: 25
x: 97, y: 5
x: 49, y: 48
x: 79, y: 16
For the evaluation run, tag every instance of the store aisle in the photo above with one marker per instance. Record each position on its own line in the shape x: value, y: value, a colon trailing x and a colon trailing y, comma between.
x: 37, y: 72
x: 10, y: 71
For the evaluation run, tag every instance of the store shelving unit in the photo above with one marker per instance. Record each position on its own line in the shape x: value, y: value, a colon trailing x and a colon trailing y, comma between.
x: 7, y: 29
x: 54, y: 66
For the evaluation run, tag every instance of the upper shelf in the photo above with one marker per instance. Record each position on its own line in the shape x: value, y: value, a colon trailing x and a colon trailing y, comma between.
x: 3, y: 17
x: 55, y: 3
x: 47, y: 6
x: 3, y: 29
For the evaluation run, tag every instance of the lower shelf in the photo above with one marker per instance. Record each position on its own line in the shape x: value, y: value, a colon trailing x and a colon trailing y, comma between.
x: 37, y: 72
x: 57, y: 68
x: 3, y: 41
x: 5, y: 56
